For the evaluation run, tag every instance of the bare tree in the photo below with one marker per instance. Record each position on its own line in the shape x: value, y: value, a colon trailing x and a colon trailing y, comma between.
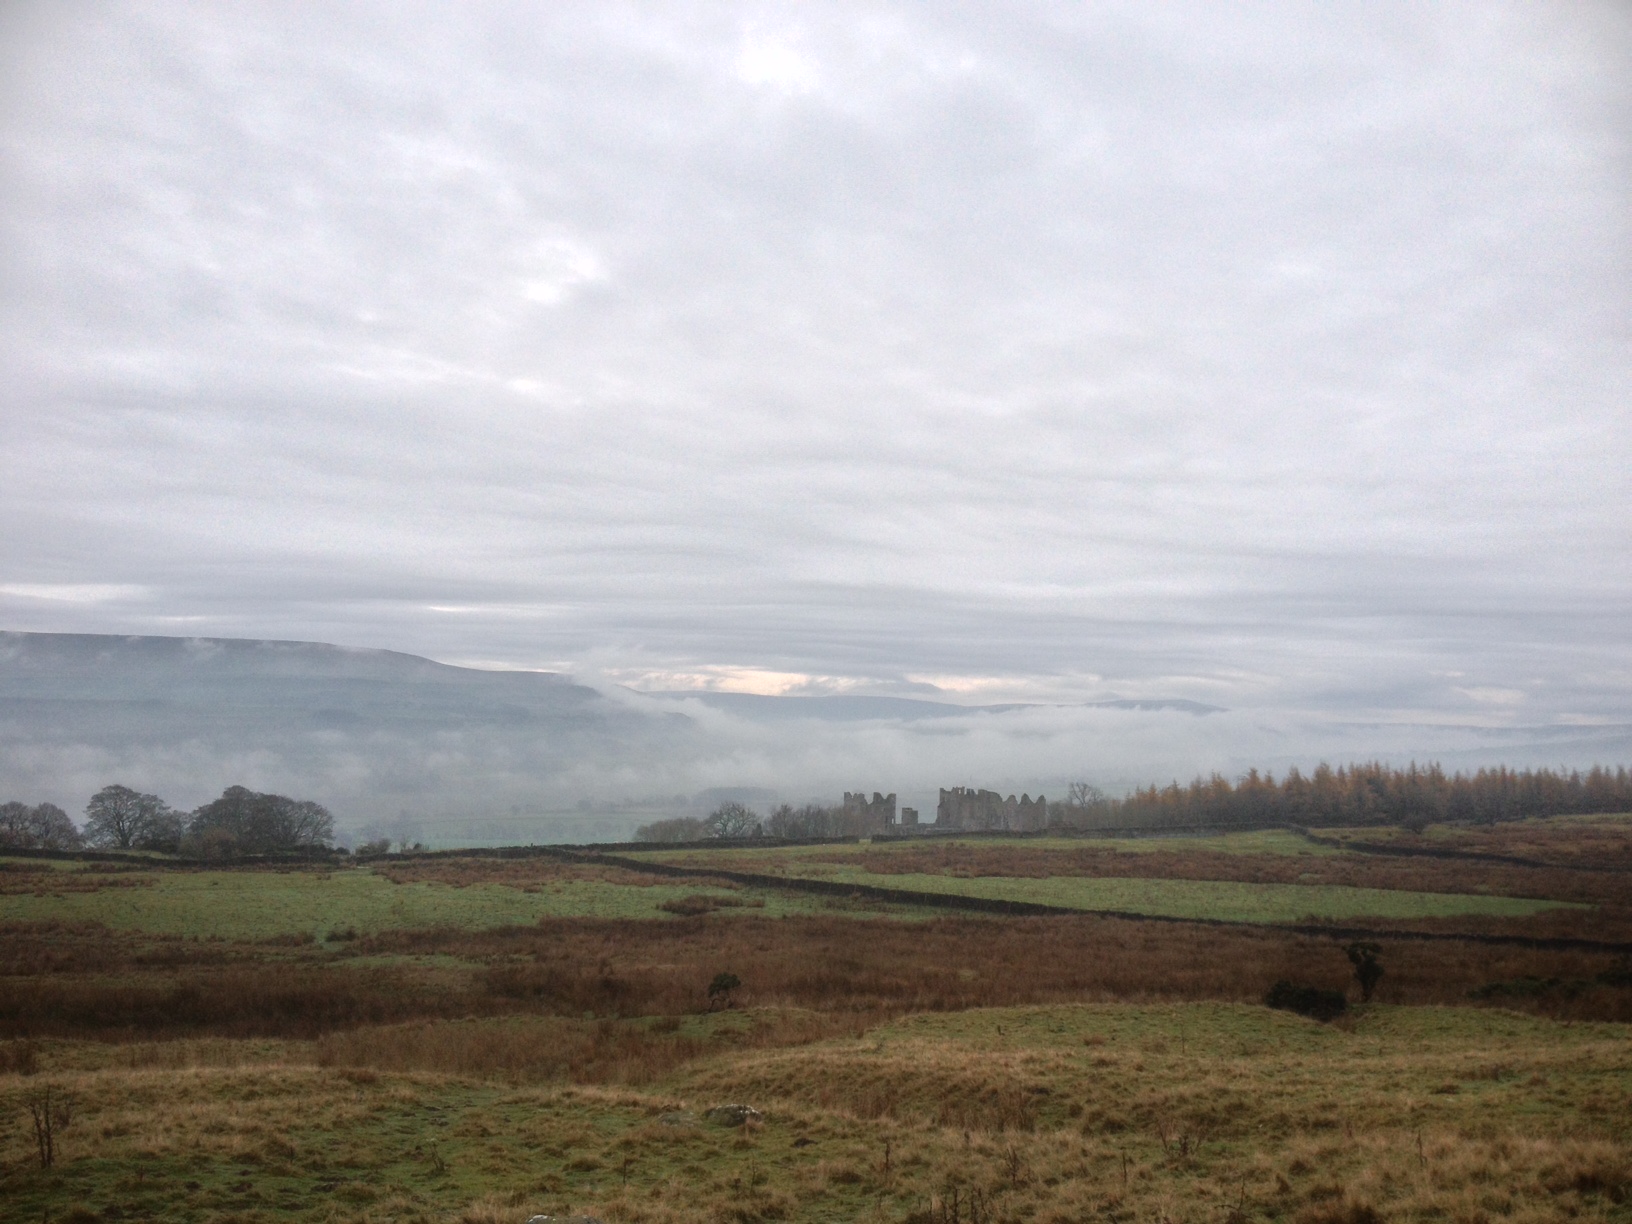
x: 121, y: 817
x: 811, y: 820
x: 733, y: 820
x: 16, y: 828
x: 42, y: 827
x: 1083, y: 794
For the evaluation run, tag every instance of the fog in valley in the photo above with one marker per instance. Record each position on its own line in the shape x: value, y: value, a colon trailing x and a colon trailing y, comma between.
x: 763, y: 402
x: 402, y: 747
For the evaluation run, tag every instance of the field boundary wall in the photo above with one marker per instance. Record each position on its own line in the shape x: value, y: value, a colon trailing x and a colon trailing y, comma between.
x: 992, y: 905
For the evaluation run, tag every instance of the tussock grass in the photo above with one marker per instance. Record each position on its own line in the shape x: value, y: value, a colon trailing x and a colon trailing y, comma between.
x: 1192, y: 1112
x: 57, y: 981
x: 604, y: 1051
x: 1601, y: 842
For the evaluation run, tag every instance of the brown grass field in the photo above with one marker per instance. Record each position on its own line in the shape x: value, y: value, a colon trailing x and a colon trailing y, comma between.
x: 906, y: 1066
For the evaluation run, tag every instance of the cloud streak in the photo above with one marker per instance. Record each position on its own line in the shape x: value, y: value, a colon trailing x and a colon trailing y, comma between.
x: 1271, y: 359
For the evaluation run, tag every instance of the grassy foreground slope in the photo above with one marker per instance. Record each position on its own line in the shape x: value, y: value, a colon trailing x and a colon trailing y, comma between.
x: 479, y: 1039
x: 1120, y: 1112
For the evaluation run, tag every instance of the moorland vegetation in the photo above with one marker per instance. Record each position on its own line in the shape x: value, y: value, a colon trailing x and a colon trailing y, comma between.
x: 478, y: 1037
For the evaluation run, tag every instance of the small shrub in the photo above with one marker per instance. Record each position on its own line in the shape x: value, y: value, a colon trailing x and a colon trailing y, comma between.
x: 722, y: 988
x: 1363, y: 956
x: 1316, y: 1002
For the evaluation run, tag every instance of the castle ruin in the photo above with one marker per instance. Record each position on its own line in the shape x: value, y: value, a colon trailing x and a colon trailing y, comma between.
x: 964, y: 807
x: 877, y: 813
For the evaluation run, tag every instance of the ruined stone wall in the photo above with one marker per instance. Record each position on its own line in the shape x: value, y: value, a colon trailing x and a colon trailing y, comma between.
x: 869, y: 815
x: 964, y: 807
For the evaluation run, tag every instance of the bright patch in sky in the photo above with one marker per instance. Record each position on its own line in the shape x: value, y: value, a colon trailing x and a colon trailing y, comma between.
x: 769, y: 60
x: 70, y: 592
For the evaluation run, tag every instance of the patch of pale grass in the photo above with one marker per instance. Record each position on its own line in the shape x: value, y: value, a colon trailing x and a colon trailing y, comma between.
x: 1054, y: 1115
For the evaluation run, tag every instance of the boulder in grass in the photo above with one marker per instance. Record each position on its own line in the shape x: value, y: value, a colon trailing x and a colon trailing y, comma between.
x: 733, y: 1115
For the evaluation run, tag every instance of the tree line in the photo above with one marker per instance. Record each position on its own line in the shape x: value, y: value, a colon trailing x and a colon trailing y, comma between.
x: 1361, y: 794
x: 241, y: 821
x: 733, y: 820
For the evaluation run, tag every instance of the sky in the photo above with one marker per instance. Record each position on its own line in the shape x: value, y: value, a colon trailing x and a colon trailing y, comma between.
x: 1271, y: 356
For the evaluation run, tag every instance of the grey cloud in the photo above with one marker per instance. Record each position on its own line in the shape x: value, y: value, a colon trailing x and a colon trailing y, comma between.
x: 1275, y: 359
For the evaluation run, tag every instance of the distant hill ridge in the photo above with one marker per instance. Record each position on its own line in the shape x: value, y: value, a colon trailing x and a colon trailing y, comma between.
x: 88, y: 666
x: 386, y: 736
x: 59, y: 655
x: 371, y: 733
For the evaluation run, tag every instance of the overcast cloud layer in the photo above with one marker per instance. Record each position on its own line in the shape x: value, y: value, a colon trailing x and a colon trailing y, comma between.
x: 1276, y: 357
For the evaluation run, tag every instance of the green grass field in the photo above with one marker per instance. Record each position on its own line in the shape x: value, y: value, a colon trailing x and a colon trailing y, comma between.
x: 260, y: 904
x: 1263, y: 841
x: 1228, y: 900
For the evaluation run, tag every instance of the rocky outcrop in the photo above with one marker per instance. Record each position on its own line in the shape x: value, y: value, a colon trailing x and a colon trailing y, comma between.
x: 732, y: 1115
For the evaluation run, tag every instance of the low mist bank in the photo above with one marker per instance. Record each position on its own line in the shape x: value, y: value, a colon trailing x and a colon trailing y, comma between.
x: 398, y: 745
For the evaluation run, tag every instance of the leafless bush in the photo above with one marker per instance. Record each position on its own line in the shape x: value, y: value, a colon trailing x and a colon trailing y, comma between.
x: 52, y: 1110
